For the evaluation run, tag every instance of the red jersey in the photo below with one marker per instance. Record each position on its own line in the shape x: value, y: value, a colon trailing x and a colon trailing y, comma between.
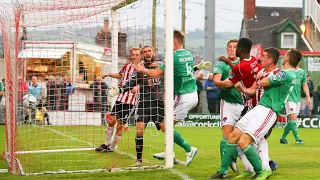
x: 260, y: 90
x: 127, y: 97
x: 246, y: 72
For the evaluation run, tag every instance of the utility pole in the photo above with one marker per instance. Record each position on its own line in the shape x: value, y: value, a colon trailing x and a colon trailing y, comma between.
x: 154, y: 24
x: 209, y: 44
x: 183, y: 16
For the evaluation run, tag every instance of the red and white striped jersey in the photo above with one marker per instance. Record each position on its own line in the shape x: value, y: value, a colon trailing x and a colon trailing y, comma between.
x: 127, y: 97
x: 260, y: 90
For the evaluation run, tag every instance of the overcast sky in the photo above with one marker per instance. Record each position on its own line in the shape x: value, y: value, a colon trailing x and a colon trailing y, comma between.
x: 229, y: 13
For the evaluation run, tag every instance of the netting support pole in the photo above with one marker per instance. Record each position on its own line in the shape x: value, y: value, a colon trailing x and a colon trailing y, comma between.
x: 114, y: 46
x: 73, y: 63
x: 169, y: 83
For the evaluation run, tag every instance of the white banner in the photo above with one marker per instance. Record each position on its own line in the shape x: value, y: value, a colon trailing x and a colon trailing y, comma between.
x: 313, y: 63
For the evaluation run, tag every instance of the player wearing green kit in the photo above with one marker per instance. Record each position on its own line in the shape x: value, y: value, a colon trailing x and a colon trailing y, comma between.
x: 231, y: 103
x: 185, y: 90
x: 257, y: 122
x: 293, y: 106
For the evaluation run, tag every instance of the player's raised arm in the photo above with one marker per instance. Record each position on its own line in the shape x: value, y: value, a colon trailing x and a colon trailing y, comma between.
x: 227, y: 61
x: 249, y: 91
x: 112, y: 75
x: 150, y: 72
x: 265, y: 82
x: 202, y: 65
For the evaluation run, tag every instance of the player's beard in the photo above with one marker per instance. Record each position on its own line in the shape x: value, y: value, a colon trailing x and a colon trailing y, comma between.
x: 149, y: 62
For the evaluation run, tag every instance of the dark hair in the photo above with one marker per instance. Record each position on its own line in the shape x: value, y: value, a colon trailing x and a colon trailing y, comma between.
x: 179, y: 36
x: 295, y: 57
x: 231, y: 41
x: 274, y: 54
x: 245, y: 45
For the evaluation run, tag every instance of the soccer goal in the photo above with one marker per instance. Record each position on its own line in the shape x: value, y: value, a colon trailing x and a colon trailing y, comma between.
x: 58, y: 51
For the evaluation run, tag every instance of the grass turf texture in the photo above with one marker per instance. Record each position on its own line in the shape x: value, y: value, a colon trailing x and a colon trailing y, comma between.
x: 295, y: 161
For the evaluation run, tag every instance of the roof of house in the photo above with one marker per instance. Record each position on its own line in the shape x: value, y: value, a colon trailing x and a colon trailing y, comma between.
x: 268, y: 20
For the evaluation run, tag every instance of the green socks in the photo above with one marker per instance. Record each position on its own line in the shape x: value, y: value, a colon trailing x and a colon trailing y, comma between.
x: 230, y: 152
x: 180, y: 141
x: 222, y: 145
x: 291, y: 125
x: 287, y: 129
x: 253, y: 157
x: 294, y: 129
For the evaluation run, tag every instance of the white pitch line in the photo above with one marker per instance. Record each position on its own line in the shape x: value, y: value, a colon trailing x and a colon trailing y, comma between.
x: 174, y: 171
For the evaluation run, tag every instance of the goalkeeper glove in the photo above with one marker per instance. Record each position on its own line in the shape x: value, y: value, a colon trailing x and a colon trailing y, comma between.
x: 204, y: 65
x: 114, y: 91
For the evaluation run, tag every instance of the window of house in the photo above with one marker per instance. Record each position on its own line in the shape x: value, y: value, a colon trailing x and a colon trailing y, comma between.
x: 288, y: 40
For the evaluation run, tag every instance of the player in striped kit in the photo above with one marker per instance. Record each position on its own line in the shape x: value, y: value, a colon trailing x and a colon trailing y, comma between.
x: 124, y: 104
x: 269, y: 62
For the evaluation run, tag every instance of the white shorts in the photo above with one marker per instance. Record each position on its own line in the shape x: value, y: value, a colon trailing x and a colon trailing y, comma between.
x: 183, y: 103
x: 257, y: 122
x: 292, y: 107
x: 230, y: 112
x: 304, y: 104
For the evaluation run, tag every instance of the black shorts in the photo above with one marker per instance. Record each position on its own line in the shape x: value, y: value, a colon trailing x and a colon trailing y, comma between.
x: 245, y: 110
x: 122, y: 111
x: 151, y: 110
x: 40, y: 104
x: 270, y: 130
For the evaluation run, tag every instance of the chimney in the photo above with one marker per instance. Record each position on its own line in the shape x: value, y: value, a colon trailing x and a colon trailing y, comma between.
x: 106, y: 25
x: 249, y: 11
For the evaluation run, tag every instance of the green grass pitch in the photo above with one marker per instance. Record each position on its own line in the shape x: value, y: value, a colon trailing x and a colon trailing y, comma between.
x: 295, y: 161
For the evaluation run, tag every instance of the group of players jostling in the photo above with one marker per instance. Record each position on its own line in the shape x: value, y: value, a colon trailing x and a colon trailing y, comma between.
x: 253, y: 94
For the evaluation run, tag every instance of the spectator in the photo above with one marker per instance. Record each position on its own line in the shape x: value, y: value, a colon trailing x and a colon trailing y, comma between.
x: 304, y: 99
x: 2, y: 101
x: 83, y: 72
x: 100, y: 96
x: 212, y: 95
x: 36, y: 90
x: 52, y: 93
x: 65, y: 90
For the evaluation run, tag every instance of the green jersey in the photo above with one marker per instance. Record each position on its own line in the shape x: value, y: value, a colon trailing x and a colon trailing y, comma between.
x: 301, y: 78
x: 231, y: 95
x: 184, y: 80
x: 1, y: 86
x: 281, y: 86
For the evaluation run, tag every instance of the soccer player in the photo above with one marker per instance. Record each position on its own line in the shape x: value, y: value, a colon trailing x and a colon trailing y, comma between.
x: 293, y: 106
x: 245, y: 72
x: 123, y: 106
x: 151, y: 101
x: 257, y: 122
x: 269, y: 62
x: 185, y: 89
x: 231, y: 103
x: 36, y: 90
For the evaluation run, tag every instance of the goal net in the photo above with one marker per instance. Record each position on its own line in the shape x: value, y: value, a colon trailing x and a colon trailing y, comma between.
x: 58, y: 51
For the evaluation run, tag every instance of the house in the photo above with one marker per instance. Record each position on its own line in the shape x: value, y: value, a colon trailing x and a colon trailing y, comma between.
x: 273, y: 26
x: 311, y: 23
x: 284, y: 28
